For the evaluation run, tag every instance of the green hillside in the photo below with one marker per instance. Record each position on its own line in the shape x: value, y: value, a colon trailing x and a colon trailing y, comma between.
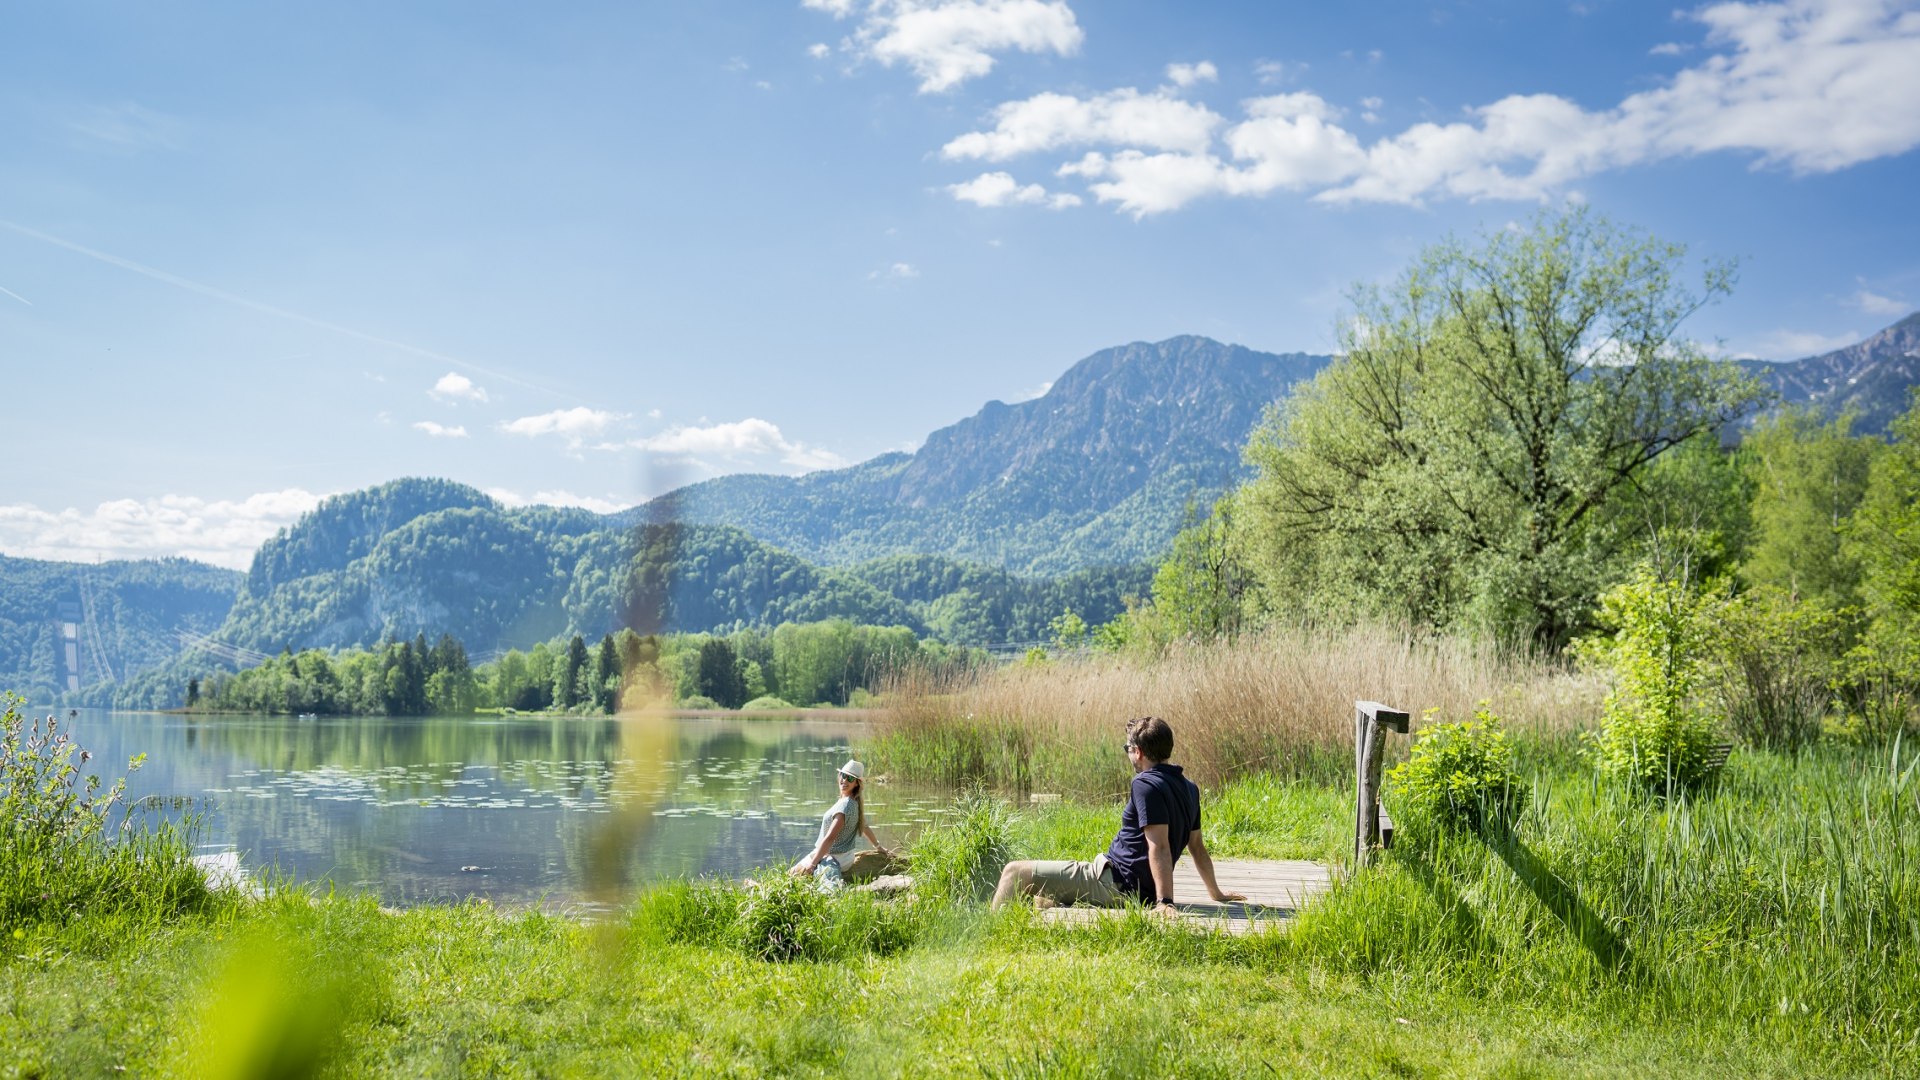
x: 125, y: 618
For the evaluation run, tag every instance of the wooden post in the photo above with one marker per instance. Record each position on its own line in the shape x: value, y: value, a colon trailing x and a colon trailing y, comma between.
x: 1371, y: 720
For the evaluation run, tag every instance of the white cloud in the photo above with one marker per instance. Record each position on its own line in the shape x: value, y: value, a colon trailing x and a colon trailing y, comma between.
x: 1668, y: 48
x: 898, y: 271
x: 1796, y: 344
x: 454, y: 386
x: 440, y: 431
x: 222, y: 532
x: 1001, y: 189
x: 1808, y: 85
x: 1050, y: 121
x: 1037, y: 392
x: 1185, y: 75
x: 510, y: 498
x: 818, y: 50
x: 1274, y: 72
x: 1874, y: 304
x: 573, y: 425
x: 739, y: 442
x: 947, y: 42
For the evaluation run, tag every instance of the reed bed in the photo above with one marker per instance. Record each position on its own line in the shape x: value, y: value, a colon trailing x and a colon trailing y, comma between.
x: 1280, y: 703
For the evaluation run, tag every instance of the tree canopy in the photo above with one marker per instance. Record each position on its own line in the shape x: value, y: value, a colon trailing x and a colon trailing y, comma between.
x: 1461, y: 463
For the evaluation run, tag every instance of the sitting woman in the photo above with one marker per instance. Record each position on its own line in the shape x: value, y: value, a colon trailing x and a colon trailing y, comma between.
x: 845, y: 821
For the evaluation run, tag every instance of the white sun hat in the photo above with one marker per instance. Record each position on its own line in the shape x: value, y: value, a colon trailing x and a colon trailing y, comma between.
x: 854, y: 769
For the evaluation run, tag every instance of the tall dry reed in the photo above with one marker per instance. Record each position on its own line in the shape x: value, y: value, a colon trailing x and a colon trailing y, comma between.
x: 1281, y: 702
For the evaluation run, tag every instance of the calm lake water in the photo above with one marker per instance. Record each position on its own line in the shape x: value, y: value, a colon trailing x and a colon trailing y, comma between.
x: 514, y: 809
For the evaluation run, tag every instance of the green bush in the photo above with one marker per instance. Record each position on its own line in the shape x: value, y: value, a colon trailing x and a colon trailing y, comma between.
x: 60, y: 855
x: 1459, y: 774
x: 698, y: 701
x: 777, y: 918
x: 767, y: 702
x: 1656, y: 729
x: 959, y: 858
x: 1776, y: 661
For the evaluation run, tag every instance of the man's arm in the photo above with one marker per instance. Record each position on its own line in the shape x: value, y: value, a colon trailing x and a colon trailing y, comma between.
x: 1160, y: 861
x: 1203, y: 864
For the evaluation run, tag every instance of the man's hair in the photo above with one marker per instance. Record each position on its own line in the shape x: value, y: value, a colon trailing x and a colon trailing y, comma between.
x: 1152, y: 735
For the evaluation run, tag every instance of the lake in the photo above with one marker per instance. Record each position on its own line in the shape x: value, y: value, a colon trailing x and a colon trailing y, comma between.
x: 521, y: 809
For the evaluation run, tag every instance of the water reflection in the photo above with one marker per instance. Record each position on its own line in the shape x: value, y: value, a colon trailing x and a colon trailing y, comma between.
x: 445, y: 808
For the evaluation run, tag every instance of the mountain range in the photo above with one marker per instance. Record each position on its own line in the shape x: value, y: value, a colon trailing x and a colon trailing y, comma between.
x: 986, y: 532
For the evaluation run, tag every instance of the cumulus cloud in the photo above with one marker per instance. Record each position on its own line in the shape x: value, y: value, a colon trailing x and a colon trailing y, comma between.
x: 1805, y: 85
x: 1157, y: 121
x: 1874, y: 304
x: 947, y: 42
x: 818, y: 50
x: 1185, y: 75
x: 897, y: 272
x: 441, y: 431
x: 222, y: 532
x: 574, y: 425
x: 1001, y: 189
x: 510, y: 498
x: 740, y: 442
x: 454, y: 386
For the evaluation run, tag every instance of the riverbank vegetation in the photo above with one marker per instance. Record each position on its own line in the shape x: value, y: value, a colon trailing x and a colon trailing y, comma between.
x: 830, y: 663
x: 1759, y: 927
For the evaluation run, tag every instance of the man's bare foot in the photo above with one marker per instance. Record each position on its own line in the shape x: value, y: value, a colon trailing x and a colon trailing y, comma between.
x: 1042, y: 903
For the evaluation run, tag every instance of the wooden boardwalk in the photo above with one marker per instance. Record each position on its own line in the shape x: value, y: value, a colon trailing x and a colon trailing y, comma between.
x: 1275, y: 889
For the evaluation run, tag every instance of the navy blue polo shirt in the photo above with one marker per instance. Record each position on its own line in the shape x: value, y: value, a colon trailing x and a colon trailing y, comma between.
x: 1160, y: 795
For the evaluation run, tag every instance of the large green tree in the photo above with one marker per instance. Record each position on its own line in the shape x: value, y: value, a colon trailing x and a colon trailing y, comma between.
x: 1461, y: 461
x: 1809, y: 474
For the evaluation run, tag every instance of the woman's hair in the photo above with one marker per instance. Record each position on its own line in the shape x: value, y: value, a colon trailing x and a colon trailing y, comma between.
x: 859, y: 801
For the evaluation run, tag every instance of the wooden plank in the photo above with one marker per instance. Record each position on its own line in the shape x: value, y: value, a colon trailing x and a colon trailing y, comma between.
x: 1384, y: 715
x: 1275, y: 889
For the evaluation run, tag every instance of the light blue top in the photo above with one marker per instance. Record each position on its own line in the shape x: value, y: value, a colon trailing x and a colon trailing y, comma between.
x: 849, y: 832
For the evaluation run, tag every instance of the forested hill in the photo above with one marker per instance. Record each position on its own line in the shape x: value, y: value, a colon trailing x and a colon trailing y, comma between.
x: 432, y: 556
x: 124, y: 617
x: 1872, y: 377
x: 1098, y: 470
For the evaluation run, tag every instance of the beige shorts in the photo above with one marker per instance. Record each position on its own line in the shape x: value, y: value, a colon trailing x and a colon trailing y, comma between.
x: 1067, y: 881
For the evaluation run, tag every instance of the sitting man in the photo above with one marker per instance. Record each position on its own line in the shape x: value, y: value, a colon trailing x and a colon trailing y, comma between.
x: 1161, y: 820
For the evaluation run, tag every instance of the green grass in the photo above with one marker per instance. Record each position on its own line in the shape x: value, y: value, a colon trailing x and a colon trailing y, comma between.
x: 1768, y: 926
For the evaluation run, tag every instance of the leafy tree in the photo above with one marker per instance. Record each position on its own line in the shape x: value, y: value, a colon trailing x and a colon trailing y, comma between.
x: 1809, y: 477
x: 606, y: 676
x: 1201, y: 591
x: 1069, y: 631
x: 719, y: 677
x: 1461, y: 461
x: 570, y: 677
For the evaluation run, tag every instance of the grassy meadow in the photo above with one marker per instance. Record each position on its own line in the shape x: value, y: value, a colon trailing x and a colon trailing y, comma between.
x: 1764, y: 925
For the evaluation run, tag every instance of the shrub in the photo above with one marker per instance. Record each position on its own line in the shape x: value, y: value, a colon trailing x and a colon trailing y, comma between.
x: 1655, y: 730
x: 959, y: 859
x: 766, y: 702
x: 59, y: 856
x: 1459, y: 774
x: 1775, y: 663
x: 783, y: 918
x: 698, y: 701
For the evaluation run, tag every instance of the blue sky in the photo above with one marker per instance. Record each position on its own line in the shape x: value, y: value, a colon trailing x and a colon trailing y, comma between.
x: 254, y: 254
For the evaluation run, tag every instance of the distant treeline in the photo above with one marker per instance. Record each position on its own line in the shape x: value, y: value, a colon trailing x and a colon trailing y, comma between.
x: 833, y: 662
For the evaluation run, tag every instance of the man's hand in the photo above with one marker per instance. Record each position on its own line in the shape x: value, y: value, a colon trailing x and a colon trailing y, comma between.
x: 1227, y: 897
x: 1166, y: 911
x: 803, y: 868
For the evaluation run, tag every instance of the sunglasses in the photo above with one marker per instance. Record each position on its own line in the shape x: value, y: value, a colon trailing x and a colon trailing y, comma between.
x: 845, y: 779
